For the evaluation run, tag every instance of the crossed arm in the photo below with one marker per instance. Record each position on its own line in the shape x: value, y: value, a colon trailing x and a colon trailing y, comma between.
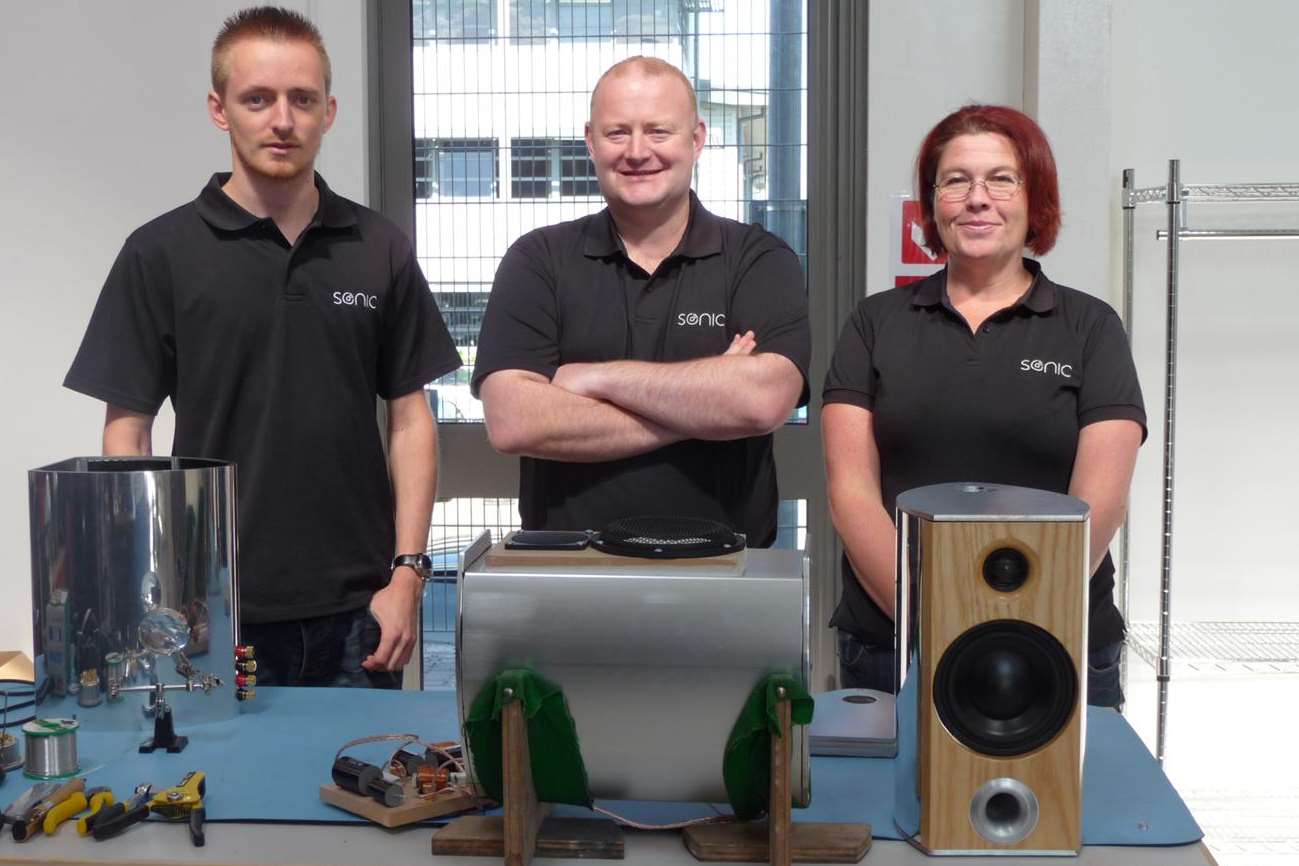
x: 1102, y: 473
x: 607, y: 411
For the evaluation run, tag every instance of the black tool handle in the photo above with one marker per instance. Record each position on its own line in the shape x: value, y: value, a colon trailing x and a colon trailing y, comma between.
x: 118, y: 819
x: 196, y: 819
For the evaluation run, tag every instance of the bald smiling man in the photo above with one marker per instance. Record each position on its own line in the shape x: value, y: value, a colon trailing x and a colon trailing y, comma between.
x: 637, y: 360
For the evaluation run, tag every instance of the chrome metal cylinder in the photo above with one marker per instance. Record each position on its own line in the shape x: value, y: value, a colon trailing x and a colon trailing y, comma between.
x: 655, y: 660
x: 118, y: 543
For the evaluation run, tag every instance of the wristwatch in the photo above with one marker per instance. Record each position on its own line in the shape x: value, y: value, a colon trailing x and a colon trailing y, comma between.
x: 417, y: 562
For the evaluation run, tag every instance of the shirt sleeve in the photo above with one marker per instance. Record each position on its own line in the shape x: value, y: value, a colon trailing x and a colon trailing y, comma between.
x: 128, y: 355
x: 852, y: 377
x: 521, y: 325
x: 1109, y: 388
x: 770, y: 300
x: 417, y: 347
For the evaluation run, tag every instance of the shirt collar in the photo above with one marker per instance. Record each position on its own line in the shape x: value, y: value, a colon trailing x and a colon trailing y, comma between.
x: 222, y: 212
x: 703, y: 235
x: 1040, y: 297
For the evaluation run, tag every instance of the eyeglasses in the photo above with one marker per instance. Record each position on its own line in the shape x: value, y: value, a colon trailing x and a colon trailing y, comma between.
x: 957, y: 187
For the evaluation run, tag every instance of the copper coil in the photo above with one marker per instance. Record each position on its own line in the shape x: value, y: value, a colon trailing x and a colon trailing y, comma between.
x: 430, y: 779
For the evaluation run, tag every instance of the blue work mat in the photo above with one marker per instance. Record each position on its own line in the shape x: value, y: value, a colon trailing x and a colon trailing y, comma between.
x: 268, y: 764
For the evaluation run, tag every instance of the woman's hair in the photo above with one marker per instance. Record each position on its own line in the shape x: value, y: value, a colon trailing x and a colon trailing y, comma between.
x: 1036, y: 167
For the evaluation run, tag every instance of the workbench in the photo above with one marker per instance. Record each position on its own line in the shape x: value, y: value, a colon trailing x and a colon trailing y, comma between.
x: 264, y: 768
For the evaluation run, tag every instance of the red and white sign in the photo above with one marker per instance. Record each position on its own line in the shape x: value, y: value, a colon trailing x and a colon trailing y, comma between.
x: 910, y: 259
x: 914, y: 251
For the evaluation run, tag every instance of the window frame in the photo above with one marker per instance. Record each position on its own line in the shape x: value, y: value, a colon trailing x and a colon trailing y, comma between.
x: 437, y: 152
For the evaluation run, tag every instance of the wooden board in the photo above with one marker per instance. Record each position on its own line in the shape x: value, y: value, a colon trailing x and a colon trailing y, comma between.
x: 575, y: 838
x: 413, y: 809
x: 523, y: 814
x: 501, y: 557
x: 747, y: 843
x: 780, y: 850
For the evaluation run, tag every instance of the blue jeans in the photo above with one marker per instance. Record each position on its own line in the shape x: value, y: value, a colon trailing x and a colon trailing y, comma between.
x: 320, y: 651
x: 1104, y: 686
x: 866, y: 666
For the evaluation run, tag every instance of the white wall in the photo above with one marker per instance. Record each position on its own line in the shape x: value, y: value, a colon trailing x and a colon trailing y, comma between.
x: 1213, y: 85
x: 105, y: 127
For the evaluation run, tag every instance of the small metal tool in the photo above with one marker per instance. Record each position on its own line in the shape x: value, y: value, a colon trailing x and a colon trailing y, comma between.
x: 98, y: 798
x: 27, y: 825
x: 117, y: 817
x: 184, y: 802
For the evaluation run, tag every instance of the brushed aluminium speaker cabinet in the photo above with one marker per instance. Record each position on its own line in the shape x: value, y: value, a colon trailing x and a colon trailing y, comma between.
x: 992, y: 624
x: 655, y: 657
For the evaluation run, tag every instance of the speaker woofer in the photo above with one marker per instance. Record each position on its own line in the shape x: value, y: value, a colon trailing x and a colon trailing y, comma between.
x: 1005, y: 687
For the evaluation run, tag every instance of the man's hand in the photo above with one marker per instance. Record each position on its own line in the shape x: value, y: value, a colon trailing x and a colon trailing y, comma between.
x: 742, y: 344
x: 393, y: 608
x: 579, y: 379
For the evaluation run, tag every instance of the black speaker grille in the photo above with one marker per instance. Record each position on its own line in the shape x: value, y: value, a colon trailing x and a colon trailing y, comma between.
x: 1005, y: 688
x: 667, y: 538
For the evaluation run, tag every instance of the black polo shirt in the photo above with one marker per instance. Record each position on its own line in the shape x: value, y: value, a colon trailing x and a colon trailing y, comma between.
x: 1004, y: 405
x: 272, y: 355
x: 568, y: 293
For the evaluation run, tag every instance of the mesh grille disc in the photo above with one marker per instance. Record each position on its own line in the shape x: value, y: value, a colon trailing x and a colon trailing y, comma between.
x: 667, y: 538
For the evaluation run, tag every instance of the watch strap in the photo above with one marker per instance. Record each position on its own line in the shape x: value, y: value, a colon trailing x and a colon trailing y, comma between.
x: 417, y: 562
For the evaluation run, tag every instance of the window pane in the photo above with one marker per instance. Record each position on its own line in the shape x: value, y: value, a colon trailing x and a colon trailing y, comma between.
x: 576, y: 172
x: 424, y: 162
x: 453, y: 19
x: 466, y: 167
x: 530, y: 160
x: 533, y: 19
x: 578, y: 18
x: 648, y: 19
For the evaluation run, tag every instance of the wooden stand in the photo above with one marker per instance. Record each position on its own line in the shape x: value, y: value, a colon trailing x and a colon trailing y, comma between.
x: 413, y: 809
x: 524, y: 831
x: 779, y: 841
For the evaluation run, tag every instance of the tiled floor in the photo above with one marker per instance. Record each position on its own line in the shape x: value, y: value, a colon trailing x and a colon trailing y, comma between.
x: 1231, y: 741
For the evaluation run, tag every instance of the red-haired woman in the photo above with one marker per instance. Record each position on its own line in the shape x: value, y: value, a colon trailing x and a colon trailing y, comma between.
x: 986, y: 371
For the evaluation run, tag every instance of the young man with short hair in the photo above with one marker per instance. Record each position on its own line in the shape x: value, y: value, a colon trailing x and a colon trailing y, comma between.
x: 272, y: 312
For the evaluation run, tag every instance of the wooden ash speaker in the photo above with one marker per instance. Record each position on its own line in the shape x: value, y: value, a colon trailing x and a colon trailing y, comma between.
x: 993, y: 632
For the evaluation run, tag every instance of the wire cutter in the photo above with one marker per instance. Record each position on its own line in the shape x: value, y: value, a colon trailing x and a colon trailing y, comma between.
x: 98, y: 799
x: 78, y: 802
x: 185, y: 802
x: 115, y: 818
